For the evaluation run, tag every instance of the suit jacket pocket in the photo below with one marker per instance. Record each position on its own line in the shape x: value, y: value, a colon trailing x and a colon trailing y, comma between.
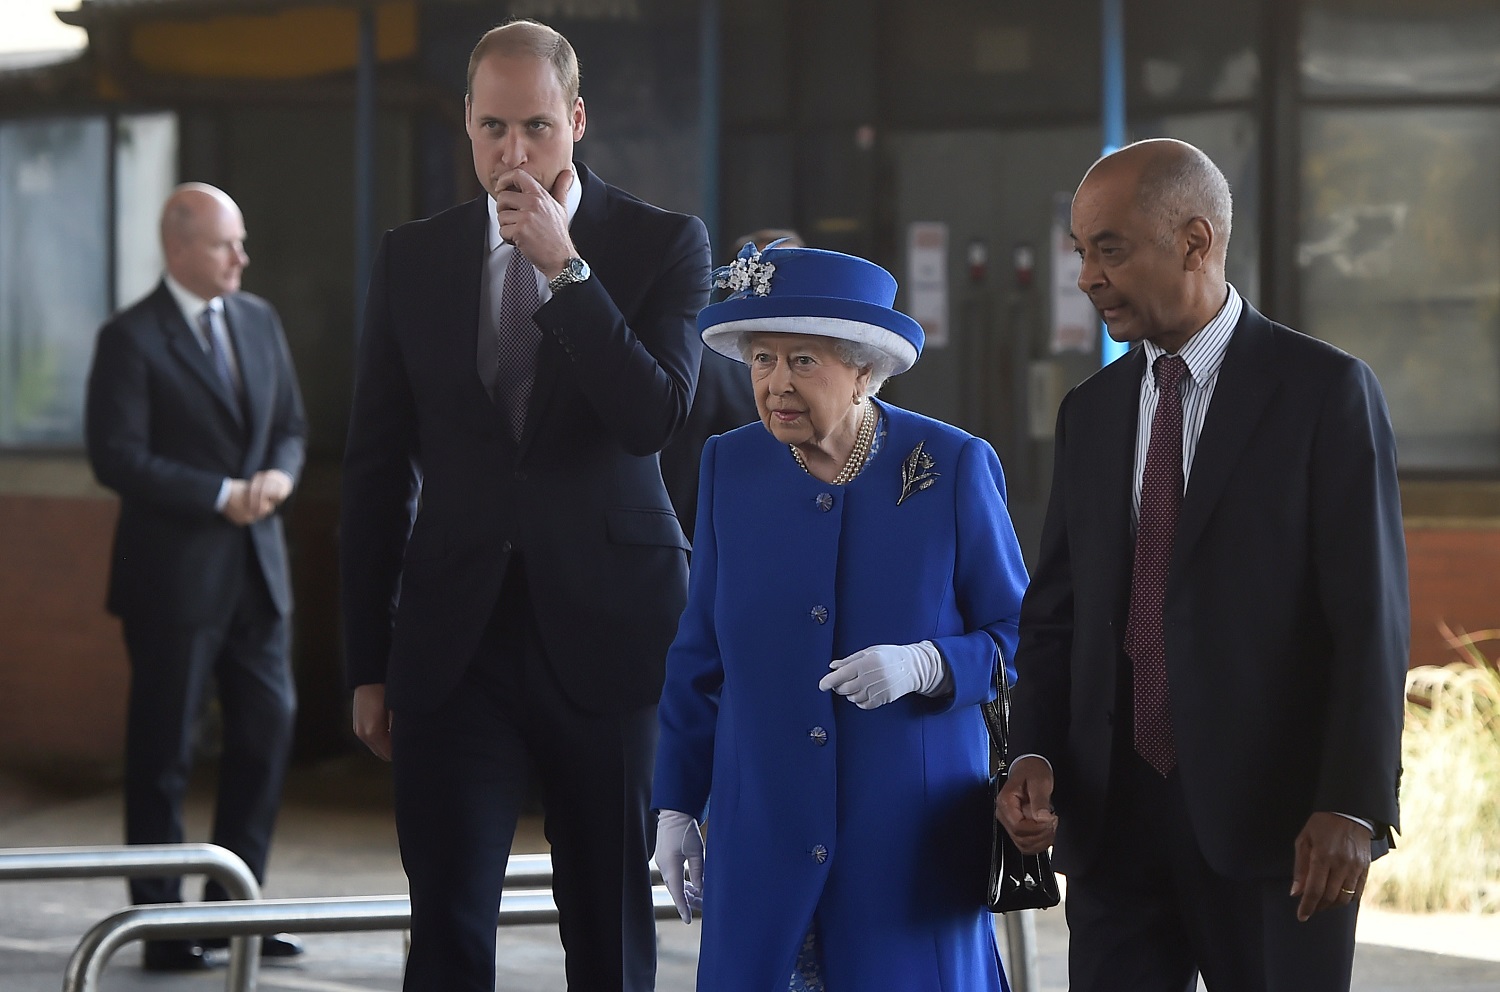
x: 654, y: 527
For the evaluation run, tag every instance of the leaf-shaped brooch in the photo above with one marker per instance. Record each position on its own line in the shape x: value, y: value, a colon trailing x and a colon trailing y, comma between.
x: 916, y: 472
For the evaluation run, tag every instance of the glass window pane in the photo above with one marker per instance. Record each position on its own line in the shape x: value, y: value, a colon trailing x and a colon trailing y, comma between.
x: 299, y: 221
x: 1425, y: 47
x: 759, y: 184
x: 53, y: 274
x: 1192, y: 53
x: 1400, y: 260
x: 754, y: 53
x: 145, y: 172
x: 966, y: 61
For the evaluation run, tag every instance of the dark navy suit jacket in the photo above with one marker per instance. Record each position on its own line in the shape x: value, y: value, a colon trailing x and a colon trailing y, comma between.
x: 724, y: 401
x: 437, y: 497
x: 1286, y: 616
x: 164, y: 432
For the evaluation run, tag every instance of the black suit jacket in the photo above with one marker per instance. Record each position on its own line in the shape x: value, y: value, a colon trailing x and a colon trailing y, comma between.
x: 163, y: 431
x: 724, y: 401
x: 1286, y: 615
x: 580, y: 498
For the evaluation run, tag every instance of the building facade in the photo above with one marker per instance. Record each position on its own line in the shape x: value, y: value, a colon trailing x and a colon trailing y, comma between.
x: 941, y: 138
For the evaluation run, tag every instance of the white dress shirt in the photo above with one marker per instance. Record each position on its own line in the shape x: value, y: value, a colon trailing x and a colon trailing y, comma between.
x: 192, y: 306
x: 1204, y: 354
x: 496, y: 260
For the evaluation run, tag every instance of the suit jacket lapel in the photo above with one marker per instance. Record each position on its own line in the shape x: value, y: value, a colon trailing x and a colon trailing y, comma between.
x: 460, y: 325
x: 183, y: 343
x: 255, y: 364
x: 1247, y: 381
x: 1115, y: 469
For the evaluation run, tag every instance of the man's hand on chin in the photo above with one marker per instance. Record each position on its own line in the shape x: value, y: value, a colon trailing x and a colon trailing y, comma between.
x: 534, y: 219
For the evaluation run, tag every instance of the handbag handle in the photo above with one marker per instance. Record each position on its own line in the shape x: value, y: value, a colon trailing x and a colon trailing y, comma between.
x: 997, y: 714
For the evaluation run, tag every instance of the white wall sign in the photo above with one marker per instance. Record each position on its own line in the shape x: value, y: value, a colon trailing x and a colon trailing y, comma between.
x: 927, y: 279
x: 1075, y: 323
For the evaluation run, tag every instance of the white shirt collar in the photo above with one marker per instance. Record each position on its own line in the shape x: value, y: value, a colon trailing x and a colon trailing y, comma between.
x: 1204, y: 351
x: 571, y: 199
x: 189, y: 302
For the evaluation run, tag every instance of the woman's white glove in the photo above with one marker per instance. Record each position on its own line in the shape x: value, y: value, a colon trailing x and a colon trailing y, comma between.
x: 679, y: 845
x: 879, y: 674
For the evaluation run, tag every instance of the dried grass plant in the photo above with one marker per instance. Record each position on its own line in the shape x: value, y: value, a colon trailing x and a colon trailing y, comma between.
x: 1448, y: 858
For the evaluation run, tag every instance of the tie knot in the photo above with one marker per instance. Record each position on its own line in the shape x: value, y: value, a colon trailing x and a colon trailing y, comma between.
x: 1169, y: 371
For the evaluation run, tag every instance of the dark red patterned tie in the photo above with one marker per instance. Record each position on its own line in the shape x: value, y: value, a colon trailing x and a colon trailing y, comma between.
x: 518, y: 336
x: 1161, y: 494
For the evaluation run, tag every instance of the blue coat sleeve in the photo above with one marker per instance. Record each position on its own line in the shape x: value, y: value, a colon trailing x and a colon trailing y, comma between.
x: 989, y: 578
x: 689, y: 708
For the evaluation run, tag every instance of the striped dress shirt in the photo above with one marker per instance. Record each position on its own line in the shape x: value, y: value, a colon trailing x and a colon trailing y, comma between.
x: 1204, y: 354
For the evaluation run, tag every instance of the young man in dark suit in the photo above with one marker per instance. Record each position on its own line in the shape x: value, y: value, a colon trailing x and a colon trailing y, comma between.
x: 195, y: 420
x: 512, y: 569
x: 1214, y: 643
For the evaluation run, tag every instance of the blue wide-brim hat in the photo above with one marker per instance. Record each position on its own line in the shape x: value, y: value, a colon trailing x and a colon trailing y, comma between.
x: 809, y: 291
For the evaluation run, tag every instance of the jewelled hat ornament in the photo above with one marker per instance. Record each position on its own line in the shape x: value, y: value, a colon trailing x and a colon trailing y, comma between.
x: 809, y: 291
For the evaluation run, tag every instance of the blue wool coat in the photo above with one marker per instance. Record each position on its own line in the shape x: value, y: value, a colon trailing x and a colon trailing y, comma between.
x: 877, y: 822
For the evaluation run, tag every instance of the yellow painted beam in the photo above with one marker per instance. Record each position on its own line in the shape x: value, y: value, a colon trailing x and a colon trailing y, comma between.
x: 289, y: 44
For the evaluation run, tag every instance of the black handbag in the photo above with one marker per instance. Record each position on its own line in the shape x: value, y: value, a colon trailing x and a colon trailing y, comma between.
x: 1017, y: 881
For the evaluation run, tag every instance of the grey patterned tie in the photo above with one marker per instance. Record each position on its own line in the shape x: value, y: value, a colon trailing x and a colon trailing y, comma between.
x: 518, y: 337
x: 217, y: 356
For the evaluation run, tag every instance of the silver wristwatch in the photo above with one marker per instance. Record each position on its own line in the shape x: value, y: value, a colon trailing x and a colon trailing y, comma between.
x: 574, y: 270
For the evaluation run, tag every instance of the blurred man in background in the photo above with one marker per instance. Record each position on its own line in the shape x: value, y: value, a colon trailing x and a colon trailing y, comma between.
x: 194, y: 418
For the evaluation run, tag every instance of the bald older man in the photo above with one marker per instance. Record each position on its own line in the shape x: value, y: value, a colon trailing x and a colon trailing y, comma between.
x: 1214, y: 643
x: 194, y: 418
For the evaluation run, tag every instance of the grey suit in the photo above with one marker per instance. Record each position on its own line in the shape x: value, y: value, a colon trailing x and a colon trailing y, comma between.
x: 199, y: 597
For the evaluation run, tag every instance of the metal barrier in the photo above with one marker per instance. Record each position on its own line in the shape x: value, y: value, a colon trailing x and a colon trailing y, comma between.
x: 130, y: 860
x: 525, y: 901
x: 529, y: 871
x: 228, y: 919
x: 1021, y: 967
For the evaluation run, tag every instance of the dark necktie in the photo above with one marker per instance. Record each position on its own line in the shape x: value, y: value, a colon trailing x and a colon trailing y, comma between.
x: 518, y: 338
x: 1161, y: 494
x: 216, y: 354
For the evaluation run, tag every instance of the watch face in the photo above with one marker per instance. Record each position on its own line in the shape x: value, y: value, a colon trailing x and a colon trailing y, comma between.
x: 574, y: 270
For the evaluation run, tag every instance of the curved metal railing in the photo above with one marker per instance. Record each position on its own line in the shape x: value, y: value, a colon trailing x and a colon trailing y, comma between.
x: 228, y: 919
x: 131, y: 860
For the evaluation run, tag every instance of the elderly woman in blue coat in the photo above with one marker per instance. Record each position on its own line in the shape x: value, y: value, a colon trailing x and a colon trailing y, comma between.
x: 856, y: 581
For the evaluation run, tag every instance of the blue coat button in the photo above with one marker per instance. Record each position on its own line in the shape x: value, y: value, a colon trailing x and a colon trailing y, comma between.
x: 824, y: 501
x: 819, y: 613
x: 819, y: 853
x: 818, y: 736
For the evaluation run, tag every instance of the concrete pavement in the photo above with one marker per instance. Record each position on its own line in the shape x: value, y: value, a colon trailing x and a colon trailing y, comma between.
x: 336, y: 838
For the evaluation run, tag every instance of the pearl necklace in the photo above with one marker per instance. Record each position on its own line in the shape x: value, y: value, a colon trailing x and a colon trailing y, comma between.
x: 857, y: 455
